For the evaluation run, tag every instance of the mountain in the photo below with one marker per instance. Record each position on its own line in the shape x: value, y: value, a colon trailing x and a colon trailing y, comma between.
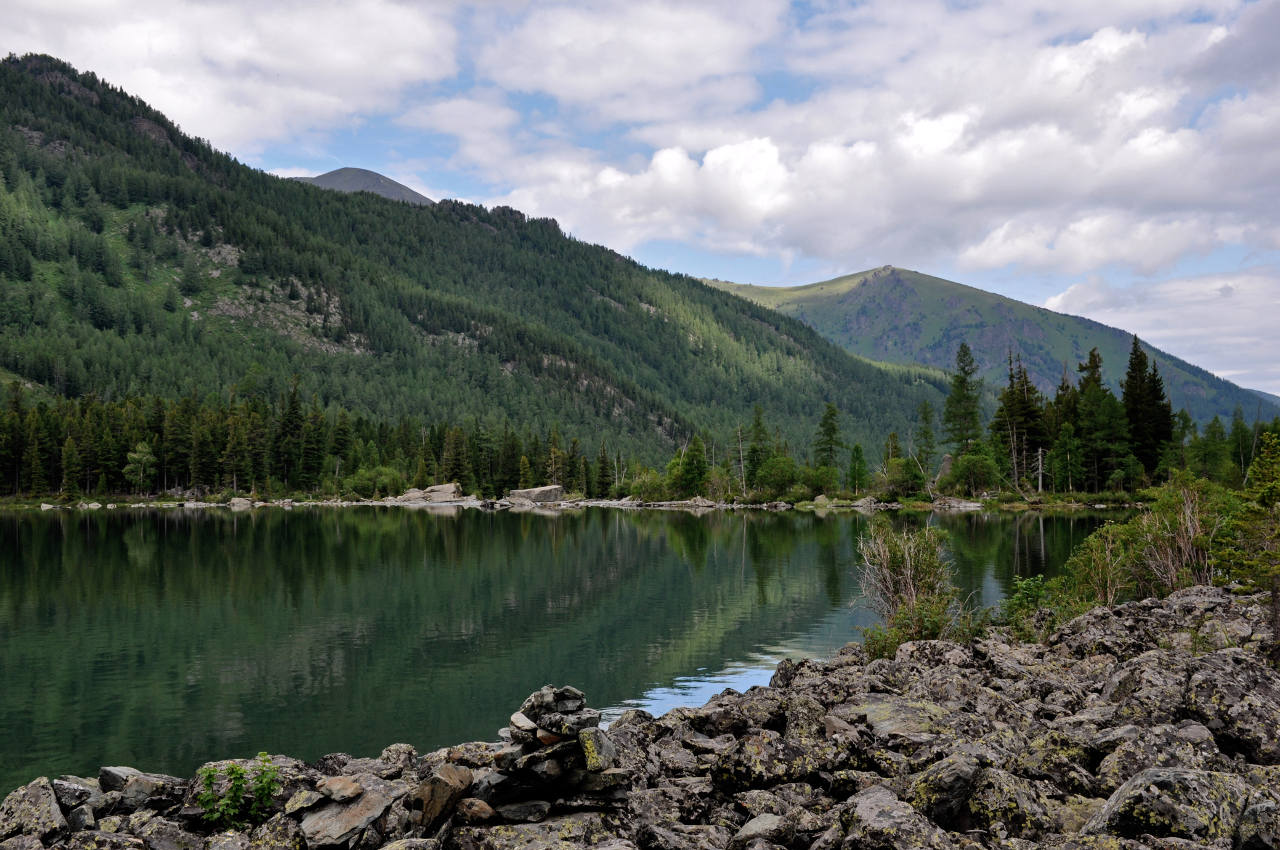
x: 363, y: 180
x: 903, y: 316
x: 137, y: 260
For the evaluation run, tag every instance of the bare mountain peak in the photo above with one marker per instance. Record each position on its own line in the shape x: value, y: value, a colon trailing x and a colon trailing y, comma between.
x: 364, y: 180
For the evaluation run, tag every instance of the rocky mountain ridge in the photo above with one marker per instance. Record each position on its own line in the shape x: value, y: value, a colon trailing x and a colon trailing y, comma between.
x: 1150, y: 724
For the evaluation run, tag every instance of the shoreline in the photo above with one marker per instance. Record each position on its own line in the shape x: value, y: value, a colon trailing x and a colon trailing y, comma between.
x: 867, y: 506
x: 1149, y: 724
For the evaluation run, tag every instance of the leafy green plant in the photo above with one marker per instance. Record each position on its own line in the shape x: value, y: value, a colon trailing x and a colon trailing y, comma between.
x: 247, y: 798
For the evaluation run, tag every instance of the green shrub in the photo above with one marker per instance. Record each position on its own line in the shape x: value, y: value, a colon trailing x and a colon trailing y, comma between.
x: 247, y: 799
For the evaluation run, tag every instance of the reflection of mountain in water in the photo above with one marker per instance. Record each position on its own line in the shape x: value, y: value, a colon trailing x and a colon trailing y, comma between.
x: 164, y: 639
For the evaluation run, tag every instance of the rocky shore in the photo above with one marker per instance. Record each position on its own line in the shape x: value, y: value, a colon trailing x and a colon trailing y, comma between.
x: 1155, y: 724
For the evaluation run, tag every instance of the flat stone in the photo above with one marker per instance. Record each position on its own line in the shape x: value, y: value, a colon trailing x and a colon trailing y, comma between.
x: 340, y: 789
x: 94, y: 840
x: 526, y: 811
x: 113, y: 778
x: 73, y: 791
x: 278, y: 833
x: 304, y: 800
x: 32, y: 810
x: 773, y: 828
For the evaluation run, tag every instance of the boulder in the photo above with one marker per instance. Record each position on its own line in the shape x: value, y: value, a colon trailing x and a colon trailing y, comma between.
x: 32, y: 810
x: 240, y: 503
x: 439, y: 793
x: 162, y: 834
x: 338, y: 822
x: 550, y: 493
x: 598, y: 750
x: 1173, y: 803
x: 1237, y: 696
x: 772, y: 828
x: 875, y: 819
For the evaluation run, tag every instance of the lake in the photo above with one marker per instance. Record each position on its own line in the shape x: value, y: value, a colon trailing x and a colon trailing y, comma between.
x: 165, y: 638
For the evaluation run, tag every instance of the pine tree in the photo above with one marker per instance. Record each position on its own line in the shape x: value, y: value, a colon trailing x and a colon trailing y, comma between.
x: 760, y: 448
x: 827, y: 442
x: 961, y: 416
x: 859, y: 473
x: 526, y: 473
x: 604, y: 473
x: 926, y: 446
x: 33, y: 459
x: 691, y: 474
x: 71, y: 467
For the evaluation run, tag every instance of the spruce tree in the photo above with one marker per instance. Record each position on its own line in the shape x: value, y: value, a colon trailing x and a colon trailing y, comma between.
x: 71, y: 468
x: 859, y: 473
x: 961, y: 415
x: 827, y: 442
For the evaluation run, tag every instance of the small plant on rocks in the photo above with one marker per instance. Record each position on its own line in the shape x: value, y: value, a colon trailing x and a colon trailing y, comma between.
x: 247, y: 797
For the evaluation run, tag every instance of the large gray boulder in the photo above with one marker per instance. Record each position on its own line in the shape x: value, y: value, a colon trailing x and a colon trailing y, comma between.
x: 550, y: 493
x: 1168, y: 802
x: 32, y: 810
x: 1237, y: 696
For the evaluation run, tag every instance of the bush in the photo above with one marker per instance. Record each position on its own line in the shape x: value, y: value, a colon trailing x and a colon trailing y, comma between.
x: 906, y: 579
x: 247, y: 798
x: 648, y: 486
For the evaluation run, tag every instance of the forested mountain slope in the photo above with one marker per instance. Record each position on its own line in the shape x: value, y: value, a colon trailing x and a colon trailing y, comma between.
x: 903, y: 316
x: 135, y: 259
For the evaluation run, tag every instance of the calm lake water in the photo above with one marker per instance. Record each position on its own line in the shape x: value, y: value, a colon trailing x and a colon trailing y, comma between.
x: 163, y: 639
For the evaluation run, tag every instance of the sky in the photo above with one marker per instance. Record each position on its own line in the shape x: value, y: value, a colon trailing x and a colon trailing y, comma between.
x: 1115, y: 159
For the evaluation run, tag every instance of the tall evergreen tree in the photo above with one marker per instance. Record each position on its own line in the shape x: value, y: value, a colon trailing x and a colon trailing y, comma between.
x: 827, y: 442
x: 961, y: 413
x: 859, y: 472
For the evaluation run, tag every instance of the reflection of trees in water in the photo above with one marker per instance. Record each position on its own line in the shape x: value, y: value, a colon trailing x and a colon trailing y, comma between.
x: 162, y: 638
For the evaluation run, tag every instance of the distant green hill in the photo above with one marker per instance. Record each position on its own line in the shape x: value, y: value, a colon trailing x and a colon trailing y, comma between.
x: 902, y: 316
x: 363, y: 180
x: 135, y: 259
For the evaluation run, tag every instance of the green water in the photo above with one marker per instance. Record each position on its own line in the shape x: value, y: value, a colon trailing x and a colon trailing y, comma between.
x: 162, y: 639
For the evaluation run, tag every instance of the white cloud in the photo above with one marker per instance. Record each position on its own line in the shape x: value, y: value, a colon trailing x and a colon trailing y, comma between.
x: 245, y: 74
x: 1222, y: 322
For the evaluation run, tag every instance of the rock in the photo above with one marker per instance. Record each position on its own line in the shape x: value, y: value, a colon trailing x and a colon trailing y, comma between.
x: 239, y: 504
x: 278, y: 833
x: 32, y: 810
x: 338, y: 822
x: 81, y: 817
x: 340, y: 789
x: 303, y: 800
x: 413, y: 844
x: 772, y: 828
x: 73, y: 791
x: 943, y: 789
x: 1006, y: 804
x: 113, y: 778
x: 875, y: 819
x: 229, y: 840
x: 597, y: 749
x: 22, y: 842
x: 1173, y: 803
x: 1259, y: 827
x: 1237, y: 696
x: 438, y: 794
x: 162, y: 834
x: 550, y: 493
x: 568, y: 832
x: 525, y: 811
x: 471, y: 810
x: 94, y: 840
